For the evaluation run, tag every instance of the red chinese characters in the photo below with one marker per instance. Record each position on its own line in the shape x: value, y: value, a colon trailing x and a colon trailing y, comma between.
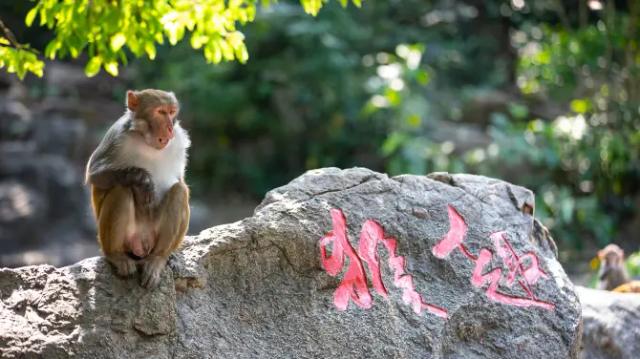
x: 523, y: 270
x: 354, y: 283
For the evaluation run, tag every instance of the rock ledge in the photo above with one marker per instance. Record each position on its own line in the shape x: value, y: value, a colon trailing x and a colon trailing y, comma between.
x: 338, y: 263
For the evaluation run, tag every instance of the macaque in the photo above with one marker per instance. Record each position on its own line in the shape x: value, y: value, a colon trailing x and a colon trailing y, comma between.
x: 630, y: 287
x: 138, y: 194
x: 612, y: 273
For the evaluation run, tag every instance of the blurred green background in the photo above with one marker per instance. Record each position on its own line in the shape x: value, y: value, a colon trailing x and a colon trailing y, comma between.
x: 544, y: 94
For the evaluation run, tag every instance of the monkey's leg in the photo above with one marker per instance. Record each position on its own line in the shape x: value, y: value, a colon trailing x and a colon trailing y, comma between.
x: 116, y: 220
x: 171, y: 222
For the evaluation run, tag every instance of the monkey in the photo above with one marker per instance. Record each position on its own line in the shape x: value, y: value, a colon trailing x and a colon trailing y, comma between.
x: 138, y: 194
x: 612, y: 273
x: 629, y: 287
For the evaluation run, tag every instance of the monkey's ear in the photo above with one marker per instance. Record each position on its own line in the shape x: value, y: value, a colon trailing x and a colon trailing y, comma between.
x: 132, y: 100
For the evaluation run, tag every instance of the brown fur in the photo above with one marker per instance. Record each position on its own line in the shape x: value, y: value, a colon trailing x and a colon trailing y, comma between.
x: 159, y: 234
x: 631, y: 287
x: 612, y: 273
x: 137, y: 223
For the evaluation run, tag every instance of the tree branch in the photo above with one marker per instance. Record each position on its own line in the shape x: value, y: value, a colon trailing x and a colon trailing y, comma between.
x: 8, y: 34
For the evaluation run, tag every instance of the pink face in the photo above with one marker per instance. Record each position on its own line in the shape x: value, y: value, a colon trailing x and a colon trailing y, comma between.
x: 155, y: 113
x: 161, y: 125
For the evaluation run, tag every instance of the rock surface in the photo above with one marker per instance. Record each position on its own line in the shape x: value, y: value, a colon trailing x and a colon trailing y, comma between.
x: 611, y: 324
x: 452, y: 266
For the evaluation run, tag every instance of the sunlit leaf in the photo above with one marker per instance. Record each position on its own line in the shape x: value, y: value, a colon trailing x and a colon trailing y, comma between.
x: 117, y: 41
x: 93, y: 66
x: 414, y: 120
x: 242, y: 54
x: 112, y: 68
x: 580, y: 105
x: 213, y: 24
x: 31, y: 15
x: 422, y: 77
x: 20, y: 61
x: 150, y: 49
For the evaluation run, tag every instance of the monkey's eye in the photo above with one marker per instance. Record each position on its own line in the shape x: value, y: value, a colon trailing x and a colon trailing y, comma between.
x: 162, y: 112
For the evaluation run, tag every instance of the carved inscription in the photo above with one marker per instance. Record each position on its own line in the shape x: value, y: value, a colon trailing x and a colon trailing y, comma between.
x: 354, y: 282
x: 521, y: 270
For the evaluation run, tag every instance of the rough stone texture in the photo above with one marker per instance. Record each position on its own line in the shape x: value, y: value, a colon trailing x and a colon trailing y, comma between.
x: 257, y: 287
x: 611, y: 324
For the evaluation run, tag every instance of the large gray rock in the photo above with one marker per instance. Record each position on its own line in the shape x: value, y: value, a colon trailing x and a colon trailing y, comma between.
x: 465, y: 272
x: 611, y: 324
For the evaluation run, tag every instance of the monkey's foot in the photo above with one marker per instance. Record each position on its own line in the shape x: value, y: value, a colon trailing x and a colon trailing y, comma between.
x: 151, y: 271
x: 124, y: 265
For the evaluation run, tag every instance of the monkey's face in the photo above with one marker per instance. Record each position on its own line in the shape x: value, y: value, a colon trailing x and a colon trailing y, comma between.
x: 161, y: 121
x: 155, y: 116
x: 610, y: 261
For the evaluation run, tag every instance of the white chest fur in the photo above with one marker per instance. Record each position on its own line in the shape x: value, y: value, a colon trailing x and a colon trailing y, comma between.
x: 166, y: 166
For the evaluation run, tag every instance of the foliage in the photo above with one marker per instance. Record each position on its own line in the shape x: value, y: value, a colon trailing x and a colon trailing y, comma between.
x: 595, y: 148
x: 544, y: 94
x: 295, y: 105
x: 108, y: 30
x: 302, y: 102
x: 582, y: 157
x: 353, y: 89
x: 633, y: 265
x: 19, y: 59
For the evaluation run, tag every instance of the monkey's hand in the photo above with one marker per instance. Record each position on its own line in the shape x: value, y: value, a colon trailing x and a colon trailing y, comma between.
x: 134, y: 176
x: 127, y: 177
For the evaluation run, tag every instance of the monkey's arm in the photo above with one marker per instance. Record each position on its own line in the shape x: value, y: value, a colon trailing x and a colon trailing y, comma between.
x: 138, y: 179
x: 101, y: 170
x: 127, y: 177
x: 103, y: 180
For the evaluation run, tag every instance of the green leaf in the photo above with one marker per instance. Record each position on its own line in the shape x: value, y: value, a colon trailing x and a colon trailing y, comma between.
x: 198, y: 40
x: 580, y: 105
x: 393, y: 142
x: 31, y: 15
x: 422, y: 76
x: 242, y: 54
x: 103, y: 28
x: 20, y: 61
x: 227, y: 50
x: 112, y: 68
x: 414, y: 120
x: 150, y: 49
x: 50, y: 50
x: 117, y: 41
x: 93, y: 66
